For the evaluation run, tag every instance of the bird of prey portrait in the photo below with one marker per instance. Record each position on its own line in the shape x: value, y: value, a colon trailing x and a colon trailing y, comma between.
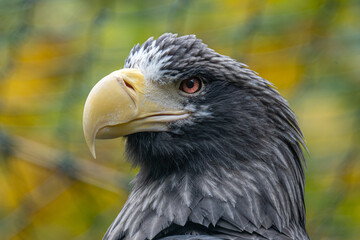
x: 220, y: 152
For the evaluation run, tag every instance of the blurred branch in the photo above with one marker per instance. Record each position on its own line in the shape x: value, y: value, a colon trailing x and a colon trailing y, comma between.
x: 77, y: 168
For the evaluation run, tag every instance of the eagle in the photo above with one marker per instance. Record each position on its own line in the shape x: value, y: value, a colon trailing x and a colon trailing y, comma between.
x: 220, y: 152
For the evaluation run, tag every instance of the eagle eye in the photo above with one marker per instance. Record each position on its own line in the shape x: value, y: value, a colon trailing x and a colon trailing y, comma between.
x: 191, y: 86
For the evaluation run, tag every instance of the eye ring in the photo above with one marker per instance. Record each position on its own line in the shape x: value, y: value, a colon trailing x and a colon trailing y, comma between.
x: 191, y: 85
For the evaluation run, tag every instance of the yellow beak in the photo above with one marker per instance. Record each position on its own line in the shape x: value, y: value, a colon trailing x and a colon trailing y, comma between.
x: 117, y: 106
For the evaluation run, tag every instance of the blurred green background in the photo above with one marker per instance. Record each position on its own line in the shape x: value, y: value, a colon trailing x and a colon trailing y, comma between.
x: 53, y: 51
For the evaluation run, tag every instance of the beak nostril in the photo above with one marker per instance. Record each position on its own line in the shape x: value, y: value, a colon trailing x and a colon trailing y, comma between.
x: 125, y: 83
x: 129, y: 85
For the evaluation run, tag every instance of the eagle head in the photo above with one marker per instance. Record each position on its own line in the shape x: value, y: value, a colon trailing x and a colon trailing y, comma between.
x: 219, y: 150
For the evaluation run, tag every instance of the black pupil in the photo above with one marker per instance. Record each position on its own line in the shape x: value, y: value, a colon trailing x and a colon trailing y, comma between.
x: 190, y: 83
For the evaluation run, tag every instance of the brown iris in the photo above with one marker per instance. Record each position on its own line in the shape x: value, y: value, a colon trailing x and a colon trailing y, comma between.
x: 191, y: 85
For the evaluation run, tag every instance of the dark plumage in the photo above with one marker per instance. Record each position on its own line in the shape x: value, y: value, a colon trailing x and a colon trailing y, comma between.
x: 232, y: 170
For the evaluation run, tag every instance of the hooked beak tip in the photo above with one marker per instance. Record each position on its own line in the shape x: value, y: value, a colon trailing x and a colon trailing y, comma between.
x: 92, y: 150
x: 90, y: 142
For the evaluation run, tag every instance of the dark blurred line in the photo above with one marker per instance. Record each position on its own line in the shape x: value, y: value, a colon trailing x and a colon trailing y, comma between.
x: 16, y: 36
